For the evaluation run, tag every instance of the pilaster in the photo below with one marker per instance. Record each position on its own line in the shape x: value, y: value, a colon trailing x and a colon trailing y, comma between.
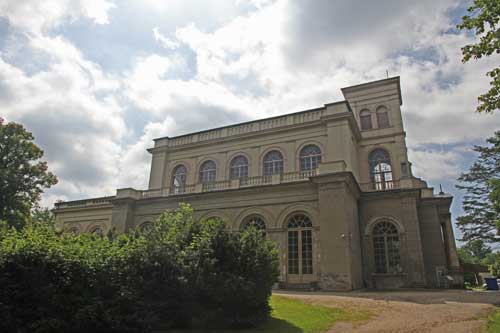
x: 339, y: 265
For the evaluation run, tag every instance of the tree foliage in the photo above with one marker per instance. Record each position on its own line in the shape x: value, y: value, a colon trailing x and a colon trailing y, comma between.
x: 481, y: 214
x: 182, y: 273
x: 22, y: 175
x: 483, y: 19
x: 474, y: 252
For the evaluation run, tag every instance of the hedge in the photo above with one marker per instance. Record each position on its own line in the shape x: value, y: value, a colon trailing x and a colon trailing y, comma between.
x: 182, y: 273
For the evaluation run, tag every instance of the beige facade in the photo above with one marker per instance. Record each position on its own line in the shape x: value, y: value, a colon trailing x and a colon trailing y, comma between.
x: 331, y: 186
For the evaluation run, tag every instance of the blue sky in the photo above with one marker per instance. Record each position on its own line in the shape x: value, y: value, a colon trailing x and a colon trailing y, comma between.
x: 97, y: 80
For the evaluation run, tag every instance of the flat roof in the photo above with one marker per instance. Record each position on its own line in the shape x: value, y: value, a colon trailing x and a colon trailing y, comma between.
x: 250, y: 122
x: 396, y: 79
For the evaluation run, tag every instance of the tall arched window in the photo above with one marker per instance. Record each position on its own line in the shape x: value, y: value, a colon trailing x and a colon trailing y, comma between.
x: 310, y: 157
x: 255, y: 221
x: 179, y: 179
x: 273, y: 163
x: 239, y: 167
x: 365, y: 118
x: 386, y: 248
x: 300, y: 258
x: 380, y: 170
x: 382, y: 117
x: 207, y: 172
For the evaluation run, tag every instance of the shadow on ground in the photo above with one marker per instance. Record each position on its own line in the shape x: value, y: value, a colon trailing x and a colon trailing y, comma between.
x: 420, y: 296
x: 273, y: 325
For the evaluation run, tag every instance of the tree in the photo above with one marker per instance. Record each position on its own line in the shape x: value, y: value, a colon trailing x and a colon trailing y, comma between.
x: 481, y: 218
x: 42, y: 215
x: 22, y: 175
x: 484, y: 20
x: 474, y: 252
x: 182, y: 273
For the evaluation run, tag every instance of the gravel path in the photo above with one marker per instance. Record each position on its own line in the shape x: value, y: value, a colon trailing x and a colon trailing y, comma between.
x: 410, y: 310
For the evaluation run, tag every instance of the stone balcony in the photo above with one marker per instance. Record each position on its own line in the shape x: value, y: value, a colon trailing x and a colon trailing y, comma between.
x: 234, y: 184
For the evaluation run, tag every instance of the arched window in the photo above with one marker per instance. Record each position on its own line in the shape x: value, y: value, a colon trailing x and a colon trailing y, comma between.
x: 300, y: 258
x: 386, y: 248
x: 97, y: 231
x: 207, y: 172
x: 273, y: 163
x: 239, y: 167
x: 255, y: 221
x: 310, y: 157
x: 380, y: 170
x: 382, y: 117
x: 179, y: 179
x: 365, y: 118
x: 146, y: 227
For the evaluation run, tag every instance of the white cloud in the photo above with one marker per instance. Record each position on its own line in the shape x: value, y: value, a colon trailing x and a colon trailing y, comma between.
x: 71, y: 109
x: 231, y: 61
x: 135, y: 161
x: 437, y: 164
x: 39, y: 16
x: 164, y: 41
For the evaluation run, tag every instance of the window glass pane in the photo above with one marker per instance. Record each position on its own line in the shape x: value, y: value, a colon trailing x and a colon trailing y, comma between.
x: 310, y: 157
x: 273, y: 163
x: 380, y: 170
x: 179, y: 179
x: 386, y: 248
x: 256, y: 222
x: 97, y: 231
x: 207, y: 172
x: 366, y: 122
x: 239, y: 167
x: 306, y: 252
x: 293, y: 252
x: 383, y: 119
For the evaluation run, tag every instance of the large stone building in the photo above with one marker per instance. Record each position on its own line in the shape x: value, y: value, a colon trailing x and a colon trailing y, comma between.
x: 331, y: 186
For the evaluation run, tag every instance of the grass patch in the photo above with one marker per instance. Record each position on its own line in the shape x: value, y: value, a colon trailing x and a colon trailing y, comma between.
x: 291, y: 315
x: 493, y: 325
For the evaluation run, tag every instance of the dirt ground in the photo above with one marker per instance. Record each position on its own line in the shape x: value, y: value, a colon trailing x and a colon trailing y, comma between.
x: 410, y: 310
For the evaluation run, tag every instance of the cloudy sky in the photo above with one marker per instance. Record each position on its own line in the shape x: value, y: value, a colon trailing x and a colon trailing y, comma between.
x: 97, y: 80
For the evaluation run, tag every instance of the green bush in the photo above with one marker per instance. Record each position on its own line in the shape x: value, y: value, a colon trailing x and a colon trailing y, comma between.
x: 183, y: 273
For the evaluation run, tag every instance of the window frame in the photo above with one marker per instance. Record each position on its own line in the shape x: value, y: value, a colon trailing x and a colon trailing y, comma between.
x: 310, y: 161
x: 256, y: 221
x: 300, y: 256
x: 238, y: 171
x: 180, y: 177
x: 207, y: 176
x: 381, y: 171
x: 363, y: 115
x: 382, y: 110
x: 277, y: 166
x: 386, y: 248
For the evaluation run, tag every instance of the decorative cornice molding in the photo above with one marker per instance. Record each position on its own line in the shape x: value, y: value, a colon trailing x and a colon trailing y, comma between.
x: 292, y: 121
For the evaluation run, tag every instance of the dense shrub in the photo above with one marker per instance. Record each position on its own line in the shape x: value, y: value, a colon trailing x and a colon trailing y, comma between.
x: 182, y: 273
